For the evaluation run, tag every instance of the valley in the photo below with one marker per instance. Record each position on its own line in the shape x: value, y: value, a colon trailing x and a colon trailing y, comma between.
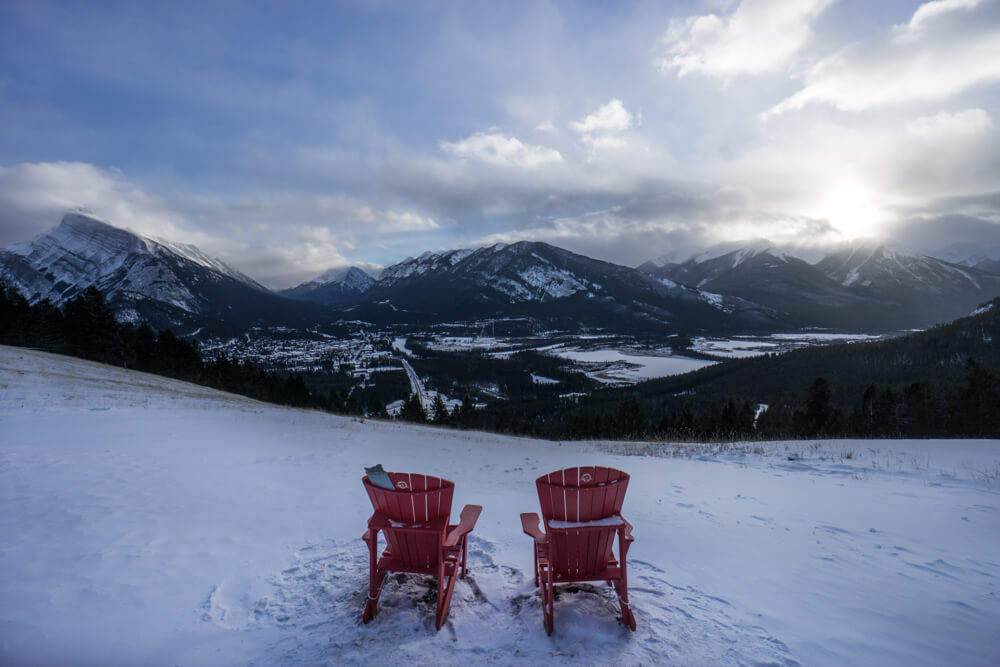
x: 357, y: 358
x: 530, y: 338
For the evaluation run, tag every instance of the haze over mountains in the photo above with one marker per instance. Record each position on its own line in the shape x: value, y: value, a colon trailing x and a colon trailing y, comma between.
x: 752, y: 288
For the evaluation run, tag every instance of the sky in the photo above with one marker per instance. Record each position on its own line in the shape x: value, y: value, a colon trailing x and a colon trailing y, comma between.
x: 291, y: 138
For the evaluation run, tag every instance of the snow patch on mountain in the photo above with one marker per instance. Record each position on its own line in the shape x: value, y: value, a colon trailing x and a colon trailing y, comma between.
x: 350, y: 277
x: 740, y: 250
x: 194, y: 254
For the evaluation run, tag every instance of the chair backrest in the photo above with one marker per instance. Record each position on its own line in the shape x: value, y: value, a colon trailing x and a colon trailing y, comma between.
x: 586, y: 493
x: 578, y: 496
x: 414, y: 498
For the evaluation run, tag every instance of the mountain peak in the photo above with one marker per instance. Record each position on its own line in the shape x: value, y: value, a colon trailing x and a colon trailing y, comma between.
x: 740, y: 251
x: 334, y: 286
x: 84, y: 250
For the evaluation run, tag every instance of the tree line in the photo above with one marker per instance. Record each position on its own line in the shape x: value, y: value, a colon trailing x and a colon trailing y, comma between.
x: 86, y: 327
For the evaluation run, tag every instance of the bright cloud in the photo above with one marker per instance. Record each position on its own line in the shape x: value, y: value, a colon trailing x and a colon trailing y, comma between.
x: 928, y: 11
x: 498, y: 149
x: 944, y: 124
x: 679, y: 223
x: 600, y: 131
x: 759, y: 36
x: 611, y: 117
x: 34, y: 196
x: 941, y: 52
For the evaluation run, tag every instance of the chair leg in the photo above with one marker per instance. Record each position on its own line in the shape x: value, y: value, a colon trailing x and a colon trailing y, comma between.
x: 628, y: 618
x: 465, y: 554
x: 446, y: 586
x: 548, y: 600
x: 375, y: 577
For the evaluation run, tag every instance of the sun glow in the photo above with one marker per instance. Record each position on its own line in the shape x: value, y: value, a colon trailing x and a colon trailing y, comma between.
x: 852, y: 209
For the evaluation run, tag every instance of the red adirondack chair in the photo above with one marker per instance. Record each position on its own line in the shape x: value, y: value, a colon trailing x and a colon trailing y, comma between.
x: 414, y: 518
x: 581, y: 508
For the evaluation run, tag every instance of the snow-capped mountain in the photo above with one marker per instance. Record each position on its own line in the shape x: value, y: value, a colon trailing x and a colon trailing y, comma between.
x: 334, y: 287
x: 861, y: 286
x: 533, y: 279
x: 761, y: 274
x: 166, y: 284
x: 984, y: 258
x: 926, y: 289
x: 700, y: 269
x: 877, y: 266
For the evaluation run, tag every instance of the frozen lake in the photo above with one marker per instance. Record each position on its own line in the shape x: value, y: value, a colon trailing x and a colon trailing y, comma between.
x: 628, y: 368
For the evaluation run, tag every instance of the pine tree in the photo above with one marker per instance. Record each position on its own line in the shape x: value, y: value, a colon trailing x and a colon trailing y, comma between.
x: 413, y: 410
x: 817, y: 410
x: 439, y: 410
x: 976, y: 406
x: 92, y: 330
x: 375, y: 406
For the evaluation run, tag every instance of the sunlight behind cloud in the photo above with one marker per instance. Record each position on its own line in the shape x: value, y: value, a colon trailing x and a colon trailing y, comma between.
x: 852, y: 209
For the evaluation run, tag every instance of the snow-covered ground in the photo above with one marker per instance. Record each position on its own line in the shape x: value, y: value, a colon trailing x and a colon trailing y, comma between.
x: 147, y: 521
x: 740, y: 347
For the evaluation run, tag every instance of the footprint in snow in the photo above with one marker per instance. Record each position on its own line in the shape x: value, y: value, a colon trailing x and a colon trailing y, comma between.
x: 312, y: 615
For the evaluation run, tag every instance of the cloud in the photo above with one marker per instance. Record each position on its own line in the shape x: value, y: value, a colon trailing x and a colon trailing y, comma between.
x: 34, y: 197
x: 277, y: 238
x: 945, y: 125
x: 498, y: 149
x: 928, y: 12
x: 678, y: 223
x: 932, y: 233
x: 759, y: 36
x: 600, y: 130
x: 945, y: 48
x: 610, y: 117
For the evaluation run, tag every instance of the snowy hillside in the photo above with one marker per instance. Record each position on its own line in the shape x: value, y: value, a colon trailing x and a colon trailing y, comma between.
x: 147, y: 521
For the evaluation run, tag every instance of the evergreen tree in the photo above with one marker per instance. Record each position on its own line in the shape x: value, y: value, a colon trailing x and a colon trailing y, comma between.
x: 375, y: 406
x: 413, y: 410
x: 817, y: 410
x: 976, y: 405
x: 440, y: 410
x: 92, y: 330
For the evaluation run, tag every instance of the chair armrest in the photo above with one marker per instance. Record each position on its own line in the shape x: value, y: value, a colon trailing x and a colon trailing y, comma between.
x: 378, y: 521
x: 529, y: 522
x: 626, y: 530
x: 466, y: 522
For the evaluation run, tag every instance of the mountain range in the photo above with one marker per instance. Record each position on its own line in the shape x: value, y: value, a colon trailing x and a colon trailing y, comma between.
x: 863, y: 286
x: 754, y: 287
